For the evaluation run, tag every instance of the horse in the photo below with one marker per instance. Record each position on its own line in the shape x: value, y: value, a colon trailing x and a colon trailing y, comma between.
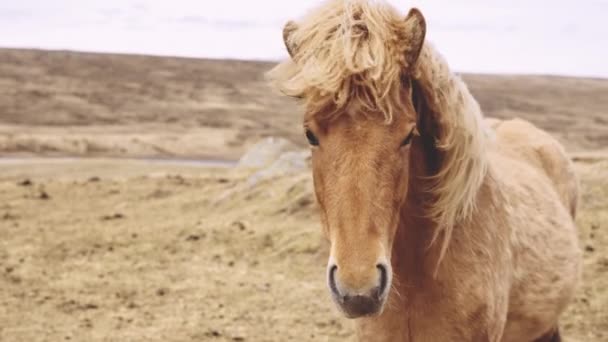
x: 442, y: 225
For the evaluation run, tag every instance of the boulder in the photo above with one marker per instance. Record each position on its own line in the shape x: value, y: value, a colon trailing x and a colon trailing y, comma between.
x: 265, y: 152
x: 288, y: 163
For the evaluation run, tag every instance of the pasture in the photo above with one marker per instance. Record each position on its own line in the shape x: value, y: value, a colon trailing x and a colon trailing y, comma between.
x: 111, y: 249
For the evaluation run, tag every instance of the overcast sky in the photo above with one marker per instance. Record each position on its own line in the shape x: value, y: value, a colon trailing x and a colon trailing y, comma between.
x: 516, y: 36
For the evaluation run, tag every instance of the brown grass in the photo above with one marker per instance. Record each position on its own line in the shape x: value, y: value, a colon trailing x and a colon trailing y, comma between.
x: 111, y: 250
x: 120, y: 251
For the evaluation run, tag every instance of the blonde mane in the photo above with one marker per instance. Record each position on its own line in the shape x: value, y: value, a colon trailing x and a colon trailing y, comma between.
x: 353, y: 52
x: 462, y: 140
x: 347, y: 52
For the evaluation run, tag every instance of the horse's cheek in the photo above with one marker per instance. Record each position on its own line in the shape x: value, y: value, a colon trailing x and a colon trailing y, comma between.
x: 402, y: 178
x: 320, y: 193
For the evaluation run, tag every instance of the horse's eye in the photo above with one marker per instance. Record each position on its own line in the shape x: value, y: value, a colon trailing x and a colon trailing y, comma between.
x: 312, y: 139
x: 408, y: 139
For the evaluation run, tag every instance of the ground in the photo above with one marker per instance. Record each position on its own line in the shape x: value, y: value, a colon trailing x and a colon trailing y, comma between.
x: 107, y: 249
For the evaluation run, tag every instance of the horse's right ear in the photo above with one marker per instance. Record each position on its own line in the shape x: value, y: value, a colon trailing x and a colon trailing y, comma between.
x: 415, y: 31
x: 288, y: 29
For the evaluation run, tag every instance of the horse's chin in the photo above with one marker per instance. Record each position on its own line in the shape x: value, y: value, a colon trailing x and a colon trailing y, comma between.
x: 355, y: 315
x: 361, y: 307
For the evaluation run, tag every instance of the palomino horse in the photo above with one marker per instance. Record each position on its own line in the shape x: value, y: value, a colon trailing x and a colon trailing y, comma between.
x: 442, y: 227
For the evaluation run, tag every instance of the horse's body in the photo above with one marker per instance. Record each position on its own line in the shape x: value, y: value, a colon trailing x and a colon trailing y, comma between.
x: 461, y: 230
x: 508, y: 275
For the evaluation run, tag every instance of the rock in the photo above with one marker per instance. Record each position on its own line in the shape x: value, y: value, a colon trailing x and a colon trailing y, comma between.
x: 193, y: 237
x: 287, y: 163
x: 43, y: 195
x: 213, y: 333
x: 269, y: 159
x: 9, y: 216
x: 265, y: 152
x: 115, y: 216
x: 240, y: 225
x: 25, y: 182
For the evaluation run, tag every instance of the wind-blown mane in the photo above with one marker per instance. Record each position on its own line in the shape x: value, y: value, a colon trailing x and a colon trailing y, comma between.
x: 460, y: 138
x: 354, y: 53
x: 347, y: 53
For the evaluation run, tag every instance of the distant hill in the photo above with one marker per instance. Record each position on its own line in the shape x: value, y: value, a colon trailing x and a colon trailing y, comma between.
x: 43, y: 93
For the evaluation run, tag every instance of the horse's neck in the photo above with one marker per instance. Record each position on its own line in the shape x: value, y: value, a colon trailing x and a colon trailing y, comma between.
x: 415, y: 256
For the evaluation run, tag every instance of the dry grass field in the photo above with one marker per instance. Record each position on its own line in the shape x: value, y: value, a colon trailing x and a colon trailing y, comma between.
x: 110, y: 249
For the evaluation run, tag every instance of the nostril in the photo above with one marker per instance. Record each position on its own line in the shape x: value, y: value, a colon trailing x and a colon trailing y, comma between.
x: 332, y: 280
x: 383, y: 278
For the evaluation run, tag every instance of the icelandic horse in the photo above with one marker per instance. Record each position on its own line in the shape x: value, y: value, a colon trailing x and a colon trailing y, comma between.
x: 442, y: 226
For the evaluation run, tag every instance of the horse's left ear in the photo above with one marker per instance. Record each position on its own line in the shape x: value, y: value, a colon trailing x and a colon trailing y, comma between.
x: 287, y: 31
x: 415, y: 31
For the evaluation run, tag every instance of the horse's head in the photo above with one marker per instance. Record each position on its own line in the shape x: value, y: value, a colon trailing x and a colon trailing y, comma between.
x: 351, y: 63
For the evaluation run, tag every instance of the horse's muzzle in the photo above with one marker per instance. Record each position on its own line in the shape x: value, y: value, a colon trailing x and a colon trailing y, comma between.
x: 355, y: 304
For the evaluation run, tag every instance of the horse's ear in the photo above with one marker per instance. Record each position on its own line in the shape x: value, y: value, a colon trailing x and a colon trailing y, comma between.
x: 415, y: 28
x: 287, y: 31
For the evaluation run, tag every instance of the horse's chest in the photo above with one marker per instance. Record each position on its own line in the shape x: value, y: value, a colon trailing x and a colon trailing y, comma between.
x: 428, y: 322
x: 401, y: 327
